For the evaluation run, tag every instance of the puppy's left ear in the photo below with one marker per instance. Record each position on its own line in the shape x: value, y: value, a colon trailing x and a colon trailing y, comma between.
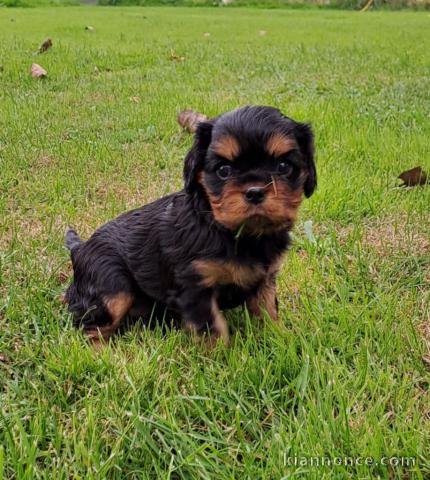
x: 305, y: 139
x: 195, y: 158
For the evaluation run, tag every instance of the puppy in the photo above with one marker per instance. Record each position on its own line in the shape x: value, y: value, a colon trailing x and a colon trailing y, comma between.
x: 216, y: 244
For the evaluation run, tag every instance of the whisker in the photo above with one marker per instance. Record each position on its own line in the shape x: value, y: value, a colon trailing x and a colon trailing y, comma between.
x: 274, y: 186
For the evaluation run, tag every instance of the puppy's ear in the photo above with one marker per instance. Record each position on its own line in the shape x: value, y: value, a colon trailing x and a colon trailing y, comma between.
x: 305, y: 139
x: 195, y: 158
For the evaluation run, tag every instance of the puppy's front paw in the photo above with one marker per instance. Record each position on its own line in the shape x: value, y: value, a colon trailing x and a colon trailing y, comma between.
x: 210, y: 337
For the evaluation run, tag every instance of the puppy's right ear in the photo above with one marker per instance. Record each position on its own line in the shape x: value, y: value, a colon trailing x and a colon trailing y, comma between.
x: 195, y: 158
x: 305, y: 139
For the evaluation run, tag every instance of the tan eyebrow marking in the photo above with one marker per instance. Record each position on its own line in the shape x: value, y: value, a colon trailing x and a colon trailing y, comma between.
x: 227, y: 147
x: 279, y: 144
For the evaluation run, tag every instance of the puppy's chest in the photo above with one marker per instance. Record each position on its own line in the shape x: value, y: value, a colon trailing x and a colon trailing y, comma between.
x: 221, y: 273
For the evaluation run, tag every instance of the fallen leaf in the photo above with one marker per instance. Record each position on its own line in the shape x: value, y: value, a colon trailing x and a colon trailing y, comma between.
x: 188, y: 120
x: 46, y: 45
x: 175, y: 57
x: 262, y: 33
x: 37, y: 71
x: 4, y: 358
x: 135, y: 99
x: 63, y: 277
x: 89, y: 28
x: 412, y: 178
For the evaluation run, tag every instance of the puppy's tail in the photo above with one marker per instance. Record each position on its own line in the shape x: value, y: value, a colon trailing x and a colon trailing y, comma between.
x: 72, y: 239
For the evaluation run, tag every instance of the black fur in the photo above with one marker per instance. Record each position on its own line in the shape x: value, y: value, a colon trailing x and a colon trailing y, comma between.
x: 72, y: 239
x: 148, y: 252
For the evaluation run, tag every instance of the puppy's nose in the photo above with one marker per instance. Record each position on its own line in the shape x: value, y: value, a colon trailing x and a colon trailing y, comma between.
x: 255, y: 195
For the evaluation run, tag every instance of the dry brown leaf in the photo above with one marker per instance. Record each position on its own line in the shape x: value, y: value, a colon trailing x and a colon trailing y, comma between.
x: 175, y: 57
x: 4, y: 358
x: 46, y: 45
x: 37, y: 71
x: 63, y: 277
x: 188, y: 120
x: 412, y: 178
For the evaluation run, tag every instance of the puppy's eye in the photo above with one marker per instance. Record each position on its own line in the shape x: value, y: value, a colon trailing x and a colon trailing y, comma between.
x: 285, y: 168
x: 224, y: 172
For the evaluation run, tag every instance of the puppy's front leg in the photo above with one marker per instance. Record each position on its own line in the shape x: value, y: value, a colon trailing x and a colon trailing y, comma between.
x: 264, y: 299
x: 202, y: 315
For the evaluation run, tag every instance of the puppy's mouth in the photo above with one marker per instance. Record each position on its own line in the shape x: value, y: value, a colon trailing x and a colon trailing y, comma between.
x: 255, y: 209
x: 258, y: 222
x: 268, y: 217
x: 276, y: 211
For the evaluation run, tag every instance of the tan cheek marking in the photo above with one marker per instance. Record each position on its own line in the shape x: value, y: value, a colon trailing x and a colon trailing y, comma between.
x: 294, y: 200
x: 283, y: 202
x: 216, y: 273
x: 227, y: 147
x: 229, y: 208
x: 279, y: 144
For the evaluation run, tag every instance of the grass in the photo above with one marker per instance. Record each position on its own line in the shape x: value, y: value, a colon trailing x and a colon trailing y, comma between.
x: 265, y: 4
x: 348, y: 375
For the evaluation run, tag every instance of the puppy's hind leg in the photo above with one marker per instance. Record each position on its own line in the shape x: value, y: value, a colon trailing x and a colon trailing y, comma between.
x: 115, y: 306
x: 102, y: 292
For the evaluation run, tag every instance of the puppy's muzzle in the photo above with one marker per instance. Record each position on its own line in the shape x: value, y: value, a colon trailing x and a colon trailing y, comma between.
x: 255, y: 195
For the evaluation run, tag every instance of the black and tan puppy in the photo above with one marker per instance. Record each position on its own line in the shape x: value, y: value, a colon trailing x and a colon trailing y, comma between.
x: 215, y: 245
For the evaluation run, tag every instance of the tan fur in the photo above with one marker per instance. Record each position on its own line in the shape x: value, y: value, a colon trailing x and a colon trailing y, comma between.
x: 118, y: 306
x: 278, y: 210
x: 265, y: 298
x: 217, y: 273
x: 281, y: 203
x: 264, y: 301
x: 279, y: 144
x: 220, y: 325
x: 227, y: 147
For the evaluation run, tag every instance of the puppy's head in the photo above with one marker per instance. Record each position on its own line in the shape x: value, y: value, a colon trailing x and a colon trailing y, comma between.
x: 254, y: 165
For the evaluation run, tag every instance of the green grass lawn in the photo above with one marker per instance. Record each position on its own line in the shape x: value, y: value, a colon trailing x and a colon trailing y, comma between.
x: 348, y: 376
